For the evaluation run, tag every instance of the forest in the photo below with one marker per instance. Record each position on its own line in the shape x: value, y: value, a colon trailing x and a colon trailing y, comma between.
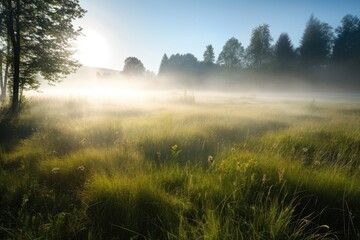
x: 325, y: 56
x: 320, y: 48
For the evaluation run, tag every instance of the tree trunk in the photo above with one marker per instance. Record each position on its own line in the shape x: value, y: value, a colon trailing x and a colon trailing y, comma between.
x: 1, y: 76
x: 14, y: 35
x: 6, y: 75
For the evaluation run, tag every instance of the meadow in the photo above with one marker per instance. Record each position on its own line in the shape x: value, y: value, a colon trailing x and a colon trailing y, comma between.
x: 181, y: 167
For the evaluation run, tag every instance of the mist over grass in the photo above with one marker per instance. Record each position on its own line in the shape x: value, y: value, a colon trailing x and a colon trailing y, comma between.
x: 181, y: 165
x: 100, y: 83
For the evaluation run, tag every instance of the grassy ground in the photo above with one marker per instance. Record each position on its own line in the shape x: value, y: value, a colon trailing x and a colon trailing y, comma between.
x: 178, y: 169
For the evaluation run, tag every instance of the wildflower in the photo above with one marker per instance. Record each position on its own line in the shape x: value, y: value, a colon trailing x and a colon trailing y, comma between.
x: 281, y: 172
x: 55, y: 170
x: 81, y: 168
x: 210, y: 159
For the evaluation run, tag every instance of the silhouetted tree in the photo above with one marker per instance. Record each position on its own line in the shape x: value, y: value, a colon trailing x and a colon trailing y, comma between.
x: 259, y: 51
x: 163, y: 64
x: 284, y: 52
x: 40, y: 34
x: 347, y: 42
x: 232, y: 54
x: 133, y: 66
x: 182, y: 63
x: 316, y: 43
x: 209, y: 56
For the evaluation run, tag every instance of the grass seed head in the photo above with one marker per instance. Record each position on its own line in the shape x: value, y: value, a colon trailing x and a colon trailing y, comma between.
x: 210, y: 159
x: 81, y: 168
x: 281, y: 172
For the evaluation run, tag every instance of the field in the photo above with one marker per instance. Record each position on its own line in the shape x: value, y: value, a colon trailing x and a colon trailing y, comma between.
x: 181, y: 167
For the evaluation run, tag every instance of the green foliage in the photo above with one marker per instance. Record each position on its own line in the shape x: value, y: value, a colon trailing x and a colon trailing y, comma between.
x: 284, y: 52
x: 316, y: 43
x: 40, y: 35
x: 259, y: 52
x: 347, y: 42
x: 209, y: 56
x: 232, y: 54
x: 133, y: 66
x: 163, y: 64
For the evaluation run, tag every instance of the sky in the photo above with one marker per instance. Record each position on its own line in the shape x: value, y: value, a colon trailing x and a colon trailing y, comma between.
x: 146, y: 29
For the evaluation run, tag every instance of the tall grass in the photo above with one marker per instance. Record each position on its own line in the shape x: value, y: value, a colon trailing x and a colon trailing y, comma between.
x: 221, y: 170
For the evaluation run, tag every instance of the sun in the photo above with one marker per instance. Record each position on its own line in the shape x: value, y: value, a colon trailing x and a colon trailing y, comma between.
x: 92, y: 49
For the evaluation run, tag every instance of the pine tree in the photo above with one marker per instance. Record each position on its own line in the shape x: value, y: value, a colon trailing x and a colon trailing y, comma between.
x: 316, y: 43
x: 163, y: 64
x: 284, y: 52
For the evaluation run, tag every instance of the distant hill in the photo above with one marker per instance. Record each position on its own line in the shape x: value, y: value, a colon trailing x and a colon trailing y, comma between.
x: 87, y: 76
x: 90, y: 76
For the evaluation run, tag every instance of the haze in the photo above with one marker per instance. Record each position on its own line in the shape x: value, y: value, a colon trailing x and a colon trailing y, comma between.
x: 116, y: 31
x: 148, y: 29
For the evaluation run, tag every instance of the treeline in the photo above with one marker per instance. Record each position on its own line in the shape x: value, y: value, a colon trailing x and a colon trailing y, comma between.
x: 324, y: 55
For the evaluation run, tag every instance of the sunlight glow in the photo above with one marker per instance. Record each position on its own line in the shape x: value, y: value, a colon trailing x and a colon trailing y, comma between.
x: 93, y: 49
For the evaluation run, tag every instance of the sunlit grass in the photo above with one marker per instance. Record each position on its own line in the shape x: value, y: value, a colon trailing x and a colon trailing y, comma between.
x: 231, y: 169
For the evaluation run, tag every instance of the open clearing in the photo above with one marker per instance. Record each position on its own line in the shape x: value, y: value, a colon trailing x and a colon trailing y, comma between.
x: 181, y: 167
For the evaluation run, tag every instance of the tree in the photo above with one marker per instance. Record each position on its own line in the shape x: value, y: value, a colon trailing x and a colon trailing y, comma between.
x: 4, y: 55
x: 284, y: 53
x: 133, y: 66
x: 4, y: 70
x: 259, y: 51
x: 209, y: 56
x: 232, y: 54
x: 316, y: 43
x: 40, y: 35
x: 163, y: 64
x: 347, y: 42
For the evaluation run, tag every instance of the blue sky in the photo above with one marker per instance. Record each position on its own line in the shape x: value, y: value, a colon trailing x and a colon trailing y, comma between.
x: 147, y: 29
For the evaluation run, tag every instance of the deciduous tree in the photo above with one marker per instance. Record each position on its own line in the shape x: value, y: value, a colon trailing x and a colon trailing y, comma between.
x: 41, y: 35
x: 133, y: 66
x: 232, y: 54
x: 259, y: 51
